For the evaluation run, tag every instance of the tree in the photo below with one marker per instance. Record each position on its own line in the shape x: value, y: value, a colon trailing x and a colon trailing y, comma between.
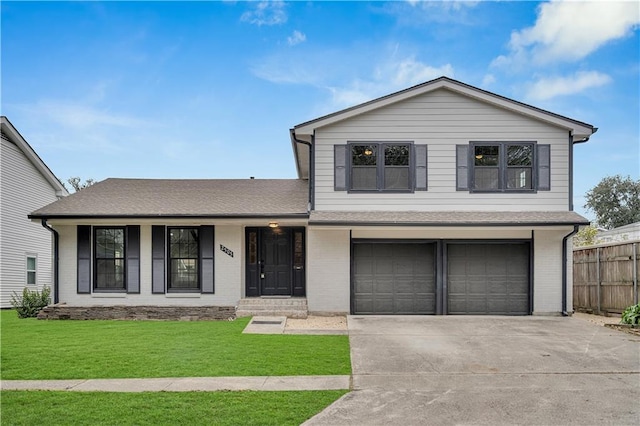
x: 77, y: 184
x: 587, y: 236
x: 615, y: 201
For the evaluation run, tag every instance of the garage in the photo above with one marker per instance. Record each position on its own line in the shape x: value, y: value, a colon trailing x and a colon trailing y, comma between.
x: 393, y: 278
x: 488, y: 278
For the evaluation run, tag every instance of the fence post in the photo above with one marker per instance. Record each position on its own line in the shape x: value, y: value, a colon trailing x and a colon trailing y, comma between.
x: 598, y: 278
x: 635, y: 274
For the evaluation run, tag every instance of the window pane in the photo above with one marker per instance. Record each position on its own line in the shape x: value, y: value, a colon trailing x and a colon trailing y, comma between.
x: 396, y: 178
x: 486, y: 155
x: 31, y: 263
x: 364, y: 155
x: 109, y: 243
x: 253, y: 248
x: 364, y: 178
x: 110, y: 274
x: 184, y: 273
x: 519, y: 178
x: 31, y: 277
x: 298, y: 251
x: 396, y: 155
x: 519, y: 155
x: 486, y: 178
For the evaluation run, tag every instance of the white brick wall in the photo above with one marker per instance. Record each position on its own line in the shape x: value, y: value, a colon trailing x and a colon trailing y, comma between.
x: 328, y: 270
x: 547, y: 270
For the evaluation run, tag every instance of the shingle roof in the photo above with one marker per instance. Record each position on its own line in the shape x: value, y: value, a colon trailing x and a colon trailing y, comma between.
x: 446, y: 218
x: 189, y: 197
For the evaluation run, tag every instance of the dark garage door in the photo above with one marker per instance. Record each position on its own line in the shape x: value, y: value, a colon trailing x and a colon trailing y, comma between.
x: 394, y: 278
x: 488, y: 279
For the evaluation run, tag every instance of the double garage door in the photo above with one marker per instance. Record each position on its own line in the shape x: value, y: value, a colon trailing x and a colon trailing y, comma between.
x: 470, y: 278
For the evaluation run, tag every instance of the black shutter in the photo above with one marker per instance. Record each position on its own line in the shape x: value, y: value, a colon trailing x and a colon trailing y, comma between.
x: 157, y: 259
x: 421, y: 167
x: 84, y: 259
x: 462, y: 167
x: 340, y: 167
x: 206, y: 258
x: 133, y: 258
x: 544, y: 167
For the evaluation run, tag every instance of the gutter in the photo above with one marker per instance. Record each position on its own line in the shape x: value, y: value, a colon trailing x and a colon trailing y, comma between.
x: 576, y: 228
x: 56, y: 257
x: 292, y: 133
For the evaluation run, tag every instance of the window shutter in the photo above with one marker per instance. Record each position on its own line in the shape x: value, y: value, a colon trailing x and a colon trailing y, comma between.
x: 421, y: 167
x: 206, y: 258
x: 462, y: 167
x: 544, y: 167
x: 158, y: 241
x: 340, y: 167
x: 133, y: 258
x: 84, y: 259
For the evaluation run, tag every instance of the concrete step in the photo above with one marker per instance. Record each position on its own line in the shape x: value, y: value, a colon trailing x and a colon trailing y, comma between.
x: 291, y: 307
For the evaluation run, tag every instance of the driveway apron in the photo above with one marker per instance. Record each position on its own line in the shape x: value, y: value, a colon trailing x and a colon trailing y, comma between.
x: 441, y: 370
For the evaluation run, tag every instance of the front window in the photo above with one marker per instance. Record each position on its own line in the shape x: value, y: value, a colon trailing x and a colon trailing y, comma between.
x: 184, y: 251
x: 380, y: 167
x: 502, y: 166
x: 31, y: 270
x: 109, y: 259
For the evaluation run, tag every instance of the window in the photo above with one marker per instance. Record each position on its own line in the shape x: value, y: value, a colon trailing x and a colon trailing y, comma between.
x: 381, y: 167
x: 31, y: 270
x: 110, y: 259
x: 184, y: 249
x: 502, y: 166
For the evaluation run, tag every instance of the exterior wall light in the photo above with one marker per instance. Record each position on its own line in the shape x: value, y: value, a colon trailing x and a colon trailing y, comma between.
x: 273, y: 224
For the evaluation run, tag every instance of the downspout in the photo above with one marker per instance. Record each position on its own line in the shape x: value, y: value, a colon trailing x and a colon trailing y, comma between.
x: 56, y: 245
x: 311, y: 166
x: 576, y: 228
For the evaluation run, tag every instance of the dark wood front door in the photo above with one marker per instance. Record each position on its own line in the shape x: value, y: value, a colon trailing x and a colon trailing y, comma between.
x: 275, y: 262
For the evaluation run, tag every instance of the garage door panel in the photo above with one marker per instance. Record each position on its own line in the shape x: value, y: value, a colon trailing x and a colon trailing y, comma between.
x: 487, y: 278
x: 402, y: 277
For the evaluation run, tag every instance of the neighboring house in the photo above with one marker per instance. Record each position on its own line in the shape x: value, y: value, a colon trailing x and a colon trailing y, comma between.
x: 439, y: 199
x: 622, y: 233
x: 26, y: 183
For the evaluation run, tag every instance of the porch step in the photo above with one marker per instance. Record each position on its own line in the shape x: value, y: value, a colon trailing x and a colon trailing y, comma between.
x: 291, y: 307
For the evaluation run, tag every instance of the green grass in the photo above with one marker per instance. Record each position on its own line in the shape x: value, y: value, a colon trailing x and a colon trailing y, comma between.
x: 36, y: 349
x: 167, y: 408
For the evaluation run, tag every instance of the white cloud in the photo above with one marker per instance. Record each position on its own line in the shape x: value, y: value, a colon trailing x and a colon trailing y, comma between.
x: 547, y: 88
x: 296, y: 38
x: 444, y: 4
x: 571, y: 30
x: 266, y: 13
x: 488, y: 80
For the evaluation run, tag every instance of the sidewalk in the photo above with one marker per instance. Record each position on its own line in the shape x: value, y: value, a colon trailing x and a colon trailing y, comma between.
x: 185, y: 384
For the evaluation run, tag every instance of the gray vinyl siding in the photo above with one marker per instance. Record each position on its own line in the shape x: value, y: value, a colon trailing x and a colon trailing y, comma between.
x: 441, y: 120
x: 23, y: 189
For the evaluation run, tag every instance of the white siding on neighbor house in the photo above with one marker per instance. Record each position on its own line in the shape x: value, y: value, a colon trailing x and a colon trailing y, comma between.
x: 228, y: 273
x: 328, y: 270
x: 23, y: 189
x: 441, y: 120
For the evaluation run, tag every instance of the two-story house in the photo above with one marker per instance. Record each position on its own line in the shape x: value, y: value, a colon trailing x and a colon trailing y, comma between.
x: 439, y: 199
x: 26, y: 183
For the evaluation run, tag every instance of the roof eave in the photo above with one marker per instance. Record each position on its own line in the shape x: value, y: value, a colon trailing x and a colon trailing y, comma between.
x: 447, y: 224
x: 47, y: 216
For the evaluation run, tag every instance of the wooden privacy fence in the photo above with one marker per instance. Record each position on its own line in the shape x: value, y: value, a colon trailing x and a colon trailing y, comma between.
x: 605, y: 276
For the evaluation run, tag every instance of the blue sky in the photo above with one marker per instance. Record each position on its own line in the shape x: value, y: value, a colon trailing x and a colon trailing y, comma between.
x: 211, y: 89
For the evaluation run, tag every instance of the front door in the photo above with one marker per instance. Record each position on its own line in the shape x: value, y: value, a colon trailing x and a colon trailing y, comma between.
x: 275, y: 262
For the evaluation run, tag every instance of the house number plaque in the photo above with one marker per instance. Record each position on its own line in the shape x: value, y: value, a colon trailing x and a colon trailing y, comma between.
x: 226, y: 250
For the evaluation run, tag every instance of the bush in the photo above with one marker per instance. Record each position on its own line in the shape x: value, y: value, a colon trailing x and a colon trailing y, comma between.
x: 31, y: 302
x: 631, y: 315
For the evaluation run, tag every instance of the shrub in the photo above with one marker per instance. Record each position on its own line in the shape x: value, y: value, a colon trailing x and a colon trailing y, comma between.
x: 31, y: 302
x: 631, y: 315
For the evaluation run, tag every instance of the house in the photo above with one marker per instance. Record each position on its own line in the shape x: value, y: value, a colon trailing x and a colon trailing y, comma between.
x: 622, y: 233
x: 26, y: 183
x: 439, y: 199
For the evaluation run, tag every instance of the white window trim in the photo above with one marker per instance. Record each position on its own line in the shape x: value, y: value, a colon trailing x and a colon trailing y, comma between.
x: 27, y: 270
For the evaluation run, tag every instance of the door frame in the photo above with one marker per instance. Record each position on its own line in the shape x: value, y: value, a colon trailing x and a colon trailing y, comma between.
x: 297, y: 261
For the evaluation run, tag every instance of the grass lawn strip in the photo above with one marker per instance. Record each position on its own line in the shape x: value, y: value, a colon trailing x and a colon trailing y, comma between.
x: 152, y: 408
x: 32, y: 349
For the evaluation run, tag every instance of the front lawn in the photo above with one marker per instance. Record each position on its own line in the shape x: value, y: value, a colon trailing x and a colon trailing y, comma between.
x: 34, y: 349
x: 168, y: 408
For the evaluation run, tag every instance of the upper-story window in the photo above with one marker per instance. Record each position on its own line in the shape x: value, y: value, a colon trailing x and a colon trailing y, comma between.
x: 503, y: 167
x: 380, y: 167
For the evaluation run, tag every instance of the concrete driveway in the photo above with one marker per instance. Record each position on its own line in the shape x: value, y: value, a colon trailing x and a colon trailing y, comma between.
x: 418, y: 370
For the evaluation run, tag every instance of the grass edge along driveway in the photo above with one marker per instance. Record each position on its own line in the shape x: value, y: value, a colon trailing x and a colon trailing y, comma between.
x: 34, y: 349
